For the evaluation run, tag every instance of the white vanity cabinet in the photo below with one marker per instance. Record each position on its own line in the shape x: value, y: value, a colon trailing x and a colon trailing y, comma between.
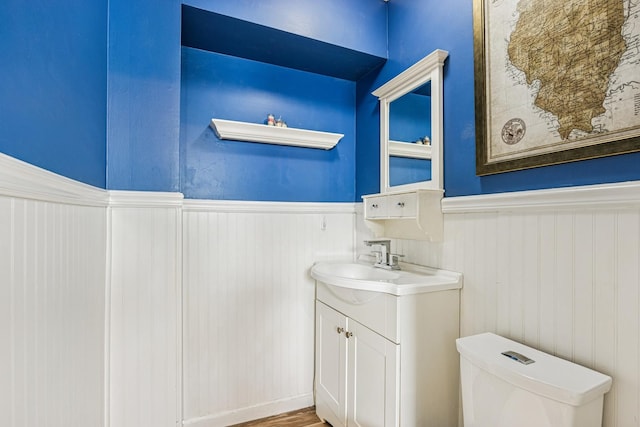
x: 385, y: 360
x: 356, y: 372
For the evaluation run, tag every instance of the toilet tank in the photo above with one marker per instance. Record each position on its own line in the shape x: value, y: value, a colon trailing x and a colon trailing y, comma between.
x: 506, y: 384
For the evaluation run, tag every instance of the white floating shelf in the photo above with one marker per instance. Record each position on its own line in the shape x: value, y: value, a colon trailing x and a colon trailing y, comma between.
x: 242, y: 131
x: 409, y: 149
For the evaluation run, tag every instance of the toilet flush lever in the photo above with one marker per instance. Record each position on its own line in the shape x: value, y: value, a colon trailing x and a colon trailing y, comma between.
x: 518, y: 357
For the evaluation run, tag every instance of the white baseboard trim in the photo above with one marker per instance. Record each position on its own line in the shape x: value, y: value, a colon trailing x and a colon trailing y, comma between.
x: 602, y: 196
x: 252, y: 413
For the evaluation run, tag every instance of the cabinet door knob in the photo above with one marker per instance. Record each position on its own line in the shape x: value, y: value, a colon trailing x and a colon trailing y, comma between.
x: 401, y: 204
x: 339, y: 330
x: 348, y: 334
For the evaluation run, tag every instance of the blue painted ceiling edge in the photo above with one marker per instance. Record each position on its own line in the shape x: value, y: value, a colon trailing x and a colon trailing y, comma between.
x: 214, y: 32
x: 358, y: 25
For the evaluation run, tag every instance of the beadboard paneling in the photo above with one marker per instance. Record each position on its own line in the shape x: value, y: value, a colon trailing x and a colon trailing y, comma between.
x: 558, y: 270
x: 563, y: 282
x: 144, y: 311
x: 52, y: 305
x: 248, y: 305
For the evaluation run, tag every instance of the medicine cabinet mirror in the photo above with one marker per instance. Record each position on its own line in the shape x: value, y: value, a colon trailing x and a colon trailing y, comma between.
x: 411, y: 127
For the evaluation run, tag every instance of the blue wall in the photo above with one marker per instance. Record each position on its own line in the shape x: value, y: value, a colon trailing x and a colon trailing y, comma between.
x: 416, y: 28
x: 225, y: 87
x: 144, y: 95
x: 367, y: 137
x: 220, y: 86
x: 91, y: 90
x: 53, y: 85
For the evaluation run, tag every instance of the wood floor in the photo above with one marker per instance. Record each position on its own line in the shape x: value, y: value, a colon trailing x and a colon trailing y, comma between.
x: 301, y: 418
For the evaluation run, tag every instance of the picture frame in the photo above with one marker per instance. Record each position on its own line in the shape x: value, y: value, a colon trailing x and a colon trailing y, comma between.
x: 542, y: 151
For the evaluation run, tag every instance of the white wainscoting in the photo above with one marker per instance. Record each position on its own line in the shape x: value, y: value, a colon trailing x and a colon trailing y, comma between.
x: 145, y: 265
x: 91, y: 310
x: 52, y: 299
x: 558, y: 270
x: 249, y: 304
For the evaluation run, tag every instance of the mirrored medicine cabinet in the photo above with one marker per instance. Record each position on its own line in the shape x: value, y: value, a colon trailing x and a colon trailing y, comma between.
x: 411, y: 172
x: 411, y: 127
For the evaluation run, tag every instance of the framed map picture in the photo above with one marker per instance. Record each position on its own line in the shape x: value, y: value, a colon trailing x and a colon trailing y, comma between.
x: 556, y: 81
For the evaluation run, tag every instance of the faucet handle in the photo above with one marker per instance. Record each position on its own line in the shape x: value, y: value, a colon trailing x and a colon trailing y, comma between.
x: 394, y: 259
x: 378, y: 255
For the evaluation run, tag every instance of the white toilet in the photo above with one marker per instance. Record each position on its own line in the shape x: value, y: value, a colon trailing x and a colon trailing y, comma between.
x: 506, y: 384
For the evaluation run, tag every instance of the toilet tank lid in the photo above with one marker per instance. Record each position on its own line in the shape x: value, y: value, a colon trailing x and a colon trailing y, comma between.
x: 548, y: 376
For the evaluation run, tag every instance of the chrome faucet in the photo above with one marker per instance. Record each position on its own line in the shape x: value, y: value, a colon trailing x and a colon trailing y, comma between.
x: 384, y: 258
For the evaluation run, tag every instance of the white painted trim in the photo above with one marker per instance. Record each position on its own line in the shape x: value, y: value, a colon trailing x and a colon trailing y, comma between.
x: 26, y: 181
x: 253, y: 412
x: 601, y: 196
x: 413, y: 76
x: 107, y: 318
x: 266, y: 207
x: 179, y: 318
x: 145, y: 199
x: 253, y: 132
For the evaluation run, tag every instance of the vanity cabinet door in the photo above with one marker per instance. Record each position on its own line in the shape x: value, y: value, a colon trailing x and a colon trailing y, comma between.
x: 357, y: 373
x: 331, y: 365
x: 373, y: 378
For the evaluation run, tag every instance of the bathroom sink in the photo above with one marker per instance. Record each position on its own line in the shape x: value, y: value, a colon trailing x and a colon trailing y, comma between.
x: 363, y: 276
x: 354, y: 270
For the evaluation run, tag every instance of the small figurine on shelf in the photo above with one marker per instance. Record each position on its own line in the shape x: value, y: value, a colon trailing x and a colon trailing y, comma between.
x: 426, y: 140
x: 281, y: 123
x: 271, y: 120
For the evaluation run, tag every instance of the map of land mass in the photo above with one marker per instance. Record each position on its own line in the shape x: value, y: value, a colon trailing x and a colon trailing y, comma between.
x: 571, y: 47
